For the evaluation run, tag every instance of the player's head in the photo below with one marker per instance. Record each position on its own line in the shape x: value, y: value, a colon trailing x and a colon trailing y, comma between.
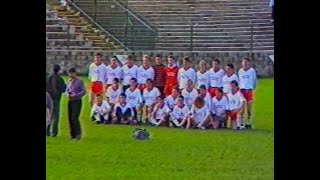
x: 56, y: 69
x: 171, y: 60
x: 113, y: 61
x: 216, y: 64
x: 146, y: 60
x: 72, y: 72
x: 203, y: 90
x: 245, y: 63
x: 186, y: 62
x: 190, y: 84
x: 180, y: 101
x: 199, y: 102
x: 115, y: 83
x: 160, y: 100
x: 229, y: 68
x: 130, y: 60
x: 175, y: 91
x: 234, y: 85
x: 99, y: 99
x: 98, y: 58
x: 158, y: 59
x: 149, y: 83
x: 122, y: 98
x: 219, y: 92
x: 202, y: 65
x: 133, y: 82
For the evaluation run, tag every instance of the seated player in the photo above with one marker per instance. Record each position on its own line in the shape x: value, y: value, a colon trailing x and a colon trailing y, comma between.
x: 171, y: 100
x: 236, y: 103
x: 150, y: 94
x: 122, y: 113
x: 160, y: 114
x: 113, y: 92
x: 134, y: 99
x: 219, y: 105
x: 100, y: 110
x: 203, y: 92
x: 189, y: 93
x: 199, y: 115
x: 180, y: 113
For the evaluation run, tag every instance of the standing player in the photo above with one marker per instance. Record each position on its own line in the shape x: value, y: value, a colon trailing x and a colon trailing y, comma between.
x: 186, y: 73
x: 236, y: 103
x: 171, y: 73
x: 159, y: 73
x: 130, y: 70
x: 189, y: 93
x: 247, y: 83
x: 199, y: 115
x: 160, y: 113
x: 134, y: 99
x: 228, y: 77
x: 219, y: 107
x: 216, y: 73
x: 203, y: 76
x: 113, y: 93
x: 180, y: 113
x: 100, y: 110
x: 171, y: 100
x: 150, y: 94
x: 113, y: 71
x: 97, y: 75
x: 145, y: 72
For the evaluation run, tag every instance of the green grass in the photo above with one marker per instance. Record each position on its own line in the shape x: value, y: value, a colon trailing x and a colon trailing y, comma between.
x: 109, y: 152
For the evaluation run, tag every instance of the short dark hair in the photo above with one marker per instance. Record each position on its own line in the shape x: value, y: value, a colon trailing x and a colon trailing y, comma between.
x: 56, y: 68
x: 186, y: 58
x: 246, y: 59
x: 149, y: 80
x: 159, y: 56
x: 72, y: 70
x: 220, y: 90
x: 160, y: 97
x: 115, y: 57
x: 116, y: 80
x: 98, y: 54
x: 98, y: 95
x: 203, y: 87
x: 171, y: 57
x: 230, y: 66
x: 235, y: 83
x: 130, y: 56
x: 134, y: 79
x: 181, y: 97
x: 176, y: 88
x: 123, y: 95
x: 217, y: 61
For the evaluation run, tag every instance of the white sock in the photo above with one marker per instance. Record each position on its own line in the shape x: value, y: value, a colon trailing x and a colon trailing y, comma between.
x: 238, y: 121
x: 153, y: 121
x: 175, y: 122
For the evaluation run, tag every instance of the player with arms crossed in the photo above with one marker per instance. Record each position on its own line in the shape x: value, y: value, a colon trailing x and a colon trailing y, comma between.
x: 130, y: 70
x: 134, y: 99
x: 216, y: 73
x: 145, y: 72
x: 186, y: 73
x: 228, y: 77
x: 247, y: 83
x: 113, y: 71
x: 161, y: 112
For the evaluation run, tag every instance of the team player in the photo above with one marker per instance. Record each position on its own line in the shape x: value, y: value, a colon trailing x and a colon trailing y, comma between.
x: 189, y: 93
x: 145, y: 72
x: 236, y: 103
x: 97, y: 76
x: 171, y: 73
x: 180, y: 113
x: 113, y: 71
x: 130, y: 70
x: 100, y: 111
x: 219, y: 106
x: 122, y: 113
x: 113, y: 92
x: 186, y: 73
x: 199, y: 115
x: 203, y: 77
x: 134, y: 99
x: 160, y: 113
x: 216, y: 73
x: 247, y: 83
x: 228, y: 77
x: 160, y: 75
x: 171, y: 100
x: 150, y: 94
x: 205, y: 95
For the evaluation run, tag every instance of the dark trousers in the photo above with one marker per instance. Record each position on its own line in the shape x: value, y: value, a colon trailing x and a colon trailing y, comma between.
x: 74, y: 109
x: 161, y: 89
x: 125, y: 116
x: 124, y: 88
x: 272, y: 13
x: 52, y: 129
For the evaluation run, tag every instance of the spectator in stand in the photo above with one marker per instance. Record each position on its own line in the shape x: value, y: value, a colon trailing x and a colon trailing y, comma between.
x: 159, y: 73
x: 171, y: 72
x: 130, y: 70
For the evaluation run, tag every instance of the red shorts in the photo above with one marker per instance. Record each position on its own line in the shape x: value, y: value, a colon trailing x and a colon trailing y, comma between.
x: 247, y: 94
x: 213, y: 91
x: 96, y: 87
x: 232, y: 115
x: 141, y: 87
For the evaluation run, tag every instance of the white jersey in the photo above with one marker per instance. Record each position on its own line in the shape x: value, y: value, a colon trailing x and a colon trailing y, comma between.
x: 150, y: 97
x: 235, y: 101
x: 113, y: 73
x: 226, y: 80
x: 129, y: 73
x: 133, y: 97
x: 207, y: 100
x: 144, y: 74
x: 203, y: 79
x: 161, y: 112
x: 199, y: 114
x: 113, y: 95
x: 123, y: 108
x: 170, y: 101
x: 219, y: 107
x: 180, y: 112
x: 247, y: 79
x: 102, y: 109
x: 216, y: 78
x: 97, y: 73
x: 184, y: 75
x: 189, y: 97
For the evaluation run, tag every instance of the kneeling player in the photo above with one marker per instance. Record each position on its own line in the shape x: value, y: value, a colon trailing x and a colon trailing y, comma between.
x: 219, y: 106
x: 100, y: 110
x: 199, y: 114
x: 150, y: 94
x: 160, y: 114
x: 171, y: 100
x: 122, y: 113
x: 180, y: 113
x: 134, y: 99
x: 113, y: 93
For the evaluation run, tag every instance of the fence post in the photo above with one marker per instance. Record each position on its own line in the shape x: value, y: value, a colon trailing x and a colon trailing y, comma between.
x: 68, y: 40
x: 191, y: 36
x: 251, y: 39
x: 95, y: 10
x: 126, y: 24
